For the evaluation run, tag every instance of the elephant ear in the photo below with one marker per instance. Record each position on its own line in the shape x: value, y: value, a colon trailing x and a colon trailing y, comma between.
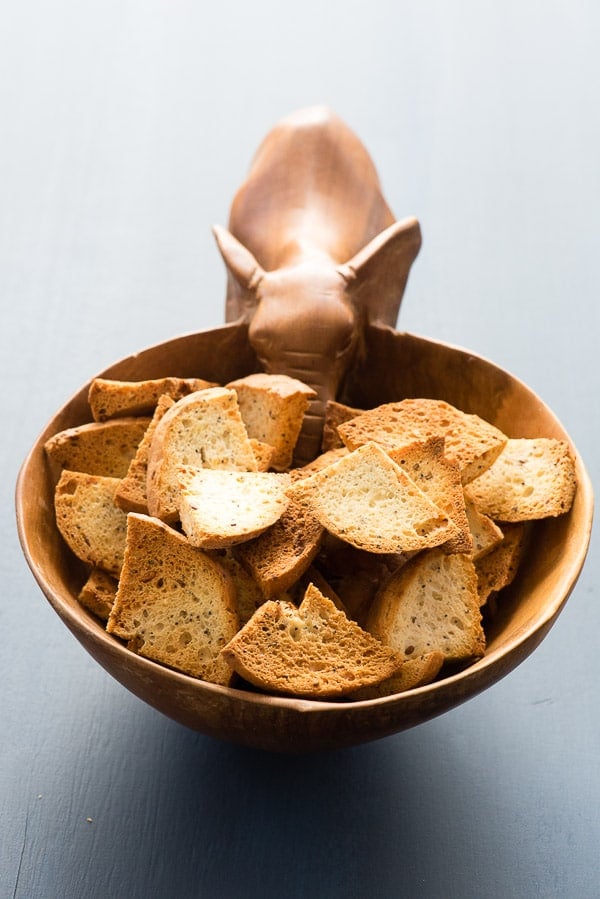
x: 243, y: 275
x: 376, y: 276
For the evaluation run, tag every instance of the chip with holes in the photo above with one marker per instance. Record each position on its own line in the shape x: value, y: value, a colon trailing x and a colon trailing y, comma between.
x: 531, y: 479
x: 175, y: 604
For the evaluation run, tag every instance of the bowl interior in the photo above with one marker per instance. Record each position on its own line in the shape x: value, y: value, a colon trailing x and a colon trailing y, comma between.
x: 393, y: 366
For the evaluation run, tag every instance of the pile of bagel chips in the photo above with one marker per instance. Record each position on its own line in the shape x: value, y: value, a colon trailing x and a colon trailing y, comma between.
x: 361, y: 574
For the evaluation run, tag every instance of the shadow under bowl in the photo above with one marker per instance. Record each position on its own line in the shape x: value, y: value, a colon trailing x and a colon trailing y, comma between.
x: 394, y: 366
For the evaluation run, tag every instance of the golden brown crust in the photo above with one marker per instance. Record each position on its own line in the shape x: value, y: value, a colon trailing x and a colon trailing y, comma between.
x: 413, y: 673
x: 248, y: 595
x: 336, y: 414
x: 367, y: 500
x: 439, y: 478
x: 89, y: 520
x: 311, y: 651
x: 470, y: 441
x: 498, y: 568
x: 175, y: 604
x: 105, y: 448
x: 272, y: 408
x: 131, y: 495
x: 279, y: 556
x: 531, y: 479
x: 431, y: 604
x: 98, y: 593
x: 116, y: 399
x: 484, y: 531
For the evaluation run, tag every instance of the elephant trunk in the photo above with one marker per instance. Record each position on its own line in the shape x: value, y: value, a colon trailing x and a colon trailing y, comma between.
x: 308, y: 445
x: 325, y: 381
x: 305, y: 327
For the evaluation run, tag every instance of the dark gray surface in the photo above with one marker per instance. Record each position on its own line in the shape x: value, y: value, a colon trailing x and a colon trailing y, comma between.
x: 126, y: 129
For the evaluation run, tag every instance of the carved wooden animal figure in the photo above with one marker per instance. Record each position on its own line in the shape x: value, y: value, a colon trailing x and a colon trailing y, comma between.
x: 313, y: 255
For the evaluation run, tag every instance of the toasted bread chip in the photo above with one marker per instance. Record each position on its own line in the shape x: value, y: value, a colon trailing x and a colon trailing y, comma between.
x: 248, y: 595
x: 175, y: 604
x: 89, y: 520
x: 279, y: 556
x: 531, y: 479
x: 221, y: 508
x: 310, y: 651
x: 425, y: 464
x: 470, y: 441
x: 115, y: 399
x: 264, y: 454
x: 430, y: 605
x: 413, y: 673
x: 105, y: 449
x: 131, y: 495
x: 485, y: 532
x: 498, y: 568
x: 336, y: 414
x: 205, y: 430
x: 272, y: 408
x: 98, y: 593
x: 367, y: 500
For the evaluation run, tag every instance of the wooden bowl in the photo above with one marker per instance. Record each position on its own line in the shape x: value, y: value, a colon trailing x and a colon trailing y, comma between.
x: 395, y: 365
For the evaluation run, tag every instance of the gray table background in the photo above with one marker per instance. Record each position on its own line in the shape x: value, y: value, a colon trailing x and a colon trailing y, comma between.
x: 126, y: 128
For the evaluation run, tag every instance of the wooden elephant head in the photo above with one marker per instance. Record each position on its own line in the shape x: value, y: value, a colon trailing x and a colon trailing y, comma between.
x: 313, y: 255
